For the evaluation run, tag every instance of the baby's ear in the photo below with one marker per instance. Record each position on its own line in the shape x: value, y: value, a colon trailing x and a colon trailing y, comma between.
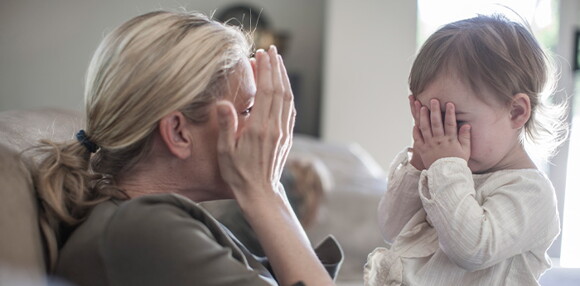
x: 520, y: 110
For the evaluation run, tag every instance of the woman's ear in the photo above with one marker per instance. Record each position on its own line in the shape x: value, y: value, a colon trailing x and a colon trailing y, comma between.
x: 520, y: 110
x: 175, y: 135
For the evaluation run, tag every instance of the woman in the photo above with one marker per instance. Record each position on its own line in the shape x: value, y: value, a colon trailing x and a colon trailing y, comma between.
x: 177, y: 113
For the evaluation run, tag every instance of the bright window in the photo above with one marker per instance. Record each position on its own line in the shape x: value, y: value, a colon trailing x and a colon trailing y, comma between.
x: 570, y: 256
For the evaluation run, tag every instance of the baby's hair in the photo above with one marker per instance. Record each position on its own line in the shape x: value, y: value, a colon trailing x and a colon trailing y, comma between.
x: 502, y: 56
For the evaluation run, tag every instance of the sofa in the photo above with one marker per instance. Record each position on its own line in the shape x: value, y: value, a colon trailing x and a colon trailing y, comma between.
x: 28, y: 247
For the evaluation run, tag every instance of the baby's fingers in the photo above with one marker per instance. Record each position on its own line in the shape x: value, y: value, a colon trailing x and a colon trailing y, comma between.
x: 436, y: 121
x: 413, y: 108
x: 425, y: 123
x: 417, y: 136
x: 464, y: 137
x: 450, y: 120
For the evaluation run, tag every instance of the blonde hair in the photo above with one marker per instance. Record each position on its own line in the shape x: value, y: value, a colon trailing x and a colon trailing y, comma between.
x: 151, y: 65
x: 503, y: 56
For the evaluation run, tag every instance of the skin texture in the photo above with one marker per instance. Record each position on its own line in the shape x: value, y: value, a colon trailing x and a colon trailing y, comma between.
x: 451, y: 120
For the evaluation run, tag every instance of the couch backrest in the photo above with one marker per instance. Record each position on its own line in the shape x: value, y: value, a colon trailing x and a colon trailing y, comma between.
x: 26, y: 244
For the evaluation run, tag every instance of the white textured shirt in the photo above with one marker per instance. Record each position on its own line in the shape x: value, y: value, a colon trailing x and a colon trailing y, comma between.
x: 451, y: 227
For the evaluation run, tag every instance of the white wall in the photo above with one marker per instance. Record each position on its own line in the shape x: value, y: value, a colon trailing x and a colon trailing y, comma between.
x: 369, y: 50
x: 45, y: 46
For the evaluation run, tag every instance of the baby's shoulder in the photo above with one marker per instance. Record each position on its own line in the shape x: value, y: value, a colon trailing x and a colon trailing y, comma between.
x: 524, y: 182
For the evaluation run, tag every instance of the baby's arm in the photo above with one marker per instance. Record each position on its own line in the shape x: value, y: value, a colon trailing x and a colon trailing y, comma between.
x: 401, y: 200
x: 517, y: 216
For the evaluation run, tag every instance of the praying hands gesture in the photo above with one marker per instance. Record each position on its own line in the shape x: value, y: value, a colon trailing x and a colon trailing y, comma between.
x: 436, y: 134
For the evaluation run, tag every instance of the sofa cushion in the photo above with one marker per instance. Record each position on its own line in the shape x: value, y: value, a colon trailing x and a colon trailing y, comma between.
x: 20, y: 239
x: 26, y: 243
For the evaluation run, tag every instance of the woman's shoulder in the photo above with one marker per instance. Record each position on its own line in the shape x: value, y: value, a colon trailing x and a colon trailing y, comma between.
x: 148, y: 219
x: 173, y: 239
x: 153, y: 217
x: 157, y: 240
x: 158, y: 208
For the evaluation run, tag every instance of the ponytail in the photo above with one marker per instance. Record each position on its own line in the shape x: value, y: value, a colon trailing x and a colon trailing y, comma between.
x: 67, y: 188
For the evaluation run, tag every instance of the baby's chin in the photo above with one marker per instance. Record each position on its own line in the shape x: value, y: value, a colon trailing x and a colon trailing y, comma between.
x: 475, y: 167
x: 478, y: 168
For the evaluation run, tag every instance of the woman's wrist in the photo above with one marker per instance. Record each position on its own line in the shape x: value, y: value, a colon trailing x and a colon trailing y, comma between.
x: 279, y: 230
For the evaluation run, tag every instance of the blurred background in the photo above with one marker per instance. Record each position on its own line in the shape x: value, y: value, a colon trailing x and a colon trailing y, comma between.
x: 348, y: 62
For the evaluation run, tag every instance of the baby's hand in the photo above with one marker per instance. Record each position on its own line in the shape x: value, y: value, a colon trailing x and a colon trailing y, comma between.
x: 435, y: 139
x: 415, y: 106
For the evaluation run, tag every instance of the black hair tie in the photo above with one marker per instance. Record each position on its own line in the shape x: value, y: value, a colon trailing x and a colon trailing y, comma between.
x: 83, y: 139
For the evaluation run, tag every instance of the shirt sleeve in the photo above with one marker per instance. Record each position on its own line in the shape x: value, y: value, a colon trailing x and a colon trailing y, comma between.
x: 517, y: 216
x: 401, y: 200
x: 159, y: 243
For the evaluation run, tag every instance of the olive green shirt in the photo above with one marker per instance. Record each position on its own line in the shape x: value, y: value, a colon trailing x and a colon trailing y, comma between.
x: 164, y: 240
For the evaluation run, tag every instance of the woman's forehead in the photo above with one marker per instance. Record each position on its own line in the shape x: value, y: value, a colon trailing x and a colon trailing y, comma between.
x: 242, y: 85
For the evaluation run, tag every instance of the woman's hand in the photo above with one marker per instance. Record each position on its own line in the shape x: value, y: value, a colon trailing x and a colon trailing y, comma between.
x: 436, y: 139
x: 253, y: 162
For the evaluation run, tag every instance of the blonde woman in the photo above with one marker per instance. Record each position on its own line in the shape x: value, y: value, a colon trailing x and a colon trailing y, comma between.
x: 177, y: 113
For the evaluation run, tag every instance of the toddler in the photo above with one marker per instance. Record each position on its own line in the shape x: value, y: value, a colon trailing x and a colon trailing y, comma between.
x: 466, y: 205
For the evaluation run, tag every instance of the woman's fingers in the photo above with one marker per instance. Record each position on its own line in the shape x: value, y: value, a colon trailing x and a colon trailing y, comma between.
x: 288, y: 109
x: 277, y: 85
x: 228, y: 124
x: 436, y: 122
x: 254, y: 65
x: 288, y: 113
x: 263, y: 101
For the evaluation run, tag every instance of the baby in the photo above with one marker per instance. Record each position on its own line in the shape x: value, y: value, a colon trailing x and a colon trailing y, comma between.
x: 467, y: 205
